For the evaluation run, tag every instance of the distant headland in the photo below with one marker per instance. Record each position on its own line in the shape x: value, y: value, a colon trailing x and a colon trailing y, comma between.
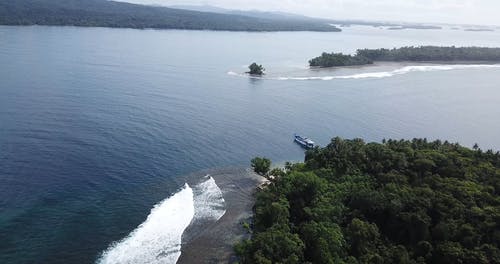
x: 103, y: 13
x: 405, y: 54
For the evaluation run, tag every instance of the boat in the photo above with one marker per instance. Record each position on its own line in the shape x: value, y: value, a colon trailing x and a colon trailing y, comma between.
x: 304, y: 142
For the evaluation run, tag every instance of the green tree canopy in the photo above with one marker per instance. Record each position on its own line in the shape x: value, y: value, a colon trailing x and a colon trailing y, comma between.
x: 261, y: 165
x: 256, y: 69
x: 400, y: 201
x: 422, y: 53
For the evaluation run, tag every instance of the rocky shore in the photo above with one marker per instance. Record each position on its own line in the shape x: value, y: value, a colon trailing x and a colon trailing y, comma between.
x: 213, y: 242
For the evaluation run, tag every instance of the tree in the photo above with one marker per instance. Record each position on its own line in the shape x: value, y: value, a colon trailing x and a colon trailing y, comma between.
x: 276, y: 173
x: 261, y: 165
x: 449, y: 252
x: 363, y: 236
x: 256, y: 69
x: 272, y: 246
x: 324, y: 242
x: 274, y: 213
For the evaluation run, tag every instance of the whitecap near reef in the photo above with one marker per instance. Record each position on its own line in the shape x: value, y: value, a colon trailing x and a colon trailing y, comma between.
x: 159, y: 238
x: 208, y: 201
x: 379, y: 74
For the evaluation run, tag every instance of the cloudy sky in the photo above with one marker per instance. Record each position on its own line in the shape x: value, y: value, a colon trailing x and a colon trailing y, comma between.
x: 446, y: 11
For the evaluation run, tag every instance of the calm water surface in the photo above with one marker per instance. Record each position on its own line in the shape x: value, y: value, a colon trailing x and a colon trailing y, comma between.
x: 97, y: 125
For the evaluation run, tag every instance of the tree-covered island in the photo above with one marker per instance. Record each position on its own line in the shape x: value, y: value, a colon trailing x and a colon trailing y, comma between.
x: 414, y: 54
x: 256, y: 69
x: 398, y: 201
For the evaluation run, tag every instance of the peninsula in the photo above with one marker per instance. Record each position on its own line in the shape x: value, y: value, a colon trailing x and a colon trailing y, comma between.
x: 411, y: 54
x: 399, y: 201
x: 104, y: 13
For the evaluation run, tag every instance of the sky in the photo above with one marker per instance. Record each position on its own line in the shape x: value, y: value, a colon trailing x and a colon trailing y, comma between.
x: 481, y: 12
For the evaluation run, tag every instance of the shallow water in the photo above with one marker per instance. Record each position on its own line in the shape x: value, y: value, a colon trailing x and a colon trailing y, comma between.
x: 97, y: 125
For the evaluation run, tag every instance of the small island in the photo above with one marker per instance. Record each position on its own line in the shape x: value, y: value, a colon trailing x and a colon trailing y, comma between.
x: 256, y: 69
x: 408, y: 54
x: 479, y: 29
x: 398, y: 201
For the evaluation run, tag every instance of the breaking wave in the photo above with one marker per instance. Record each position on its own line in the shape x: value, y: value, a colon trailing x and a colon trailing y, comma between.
x: 159, y: 238
x: 208, y: 201
x: 383, y: 74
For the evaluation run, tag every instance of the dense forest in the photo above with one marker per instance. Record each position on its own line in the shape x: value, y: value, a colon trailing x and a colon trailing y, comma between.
x: 338, y: 59
x: 103, y: 13
x: 256, y: 69
x: 398, y: 201
x: 423, y: 53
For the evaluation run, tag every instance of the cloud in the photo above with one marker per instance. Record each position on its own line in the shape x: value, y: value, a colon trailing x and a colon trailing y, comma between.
x: 445, y: 11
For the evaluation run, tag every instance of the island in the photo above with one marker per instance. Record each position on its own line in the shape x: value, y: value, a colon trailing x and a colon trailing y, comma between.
x: 398, y: 201
x: 104, y: 13
x: 256, y: 69
x: 408, y: 54
x: 402, y: 27
x: 479, y: 29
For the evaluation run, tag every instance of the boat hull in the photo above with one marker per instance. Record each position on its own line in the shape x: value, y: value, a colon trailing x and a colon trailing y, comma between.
x: 304, y: 142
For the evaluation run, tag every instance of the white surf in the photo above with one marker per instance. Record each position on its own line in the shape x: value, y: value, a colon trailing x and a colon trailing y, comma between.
x: 208, y: 200
x: 383, y: 74
x: 158, y: 239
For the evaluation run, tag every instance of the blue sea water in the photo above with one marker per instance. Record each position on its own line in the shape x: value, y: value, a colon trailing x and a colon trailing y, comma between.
x: 97, y: 125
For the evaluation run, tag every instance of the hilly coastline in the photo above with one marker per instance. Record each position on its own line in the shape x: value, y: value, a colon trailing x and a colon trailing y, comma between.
x: 102, y: 13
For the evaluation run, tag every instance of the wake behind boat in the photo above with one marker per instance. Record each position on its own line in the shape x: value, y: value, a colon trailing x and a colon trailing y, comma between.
x: 304, y: 142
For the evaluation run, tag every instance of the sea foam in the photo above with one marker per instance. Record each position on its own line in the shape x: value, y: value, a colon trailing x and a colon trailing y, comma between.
x: 401, y: 71
x: 159, y: 238
x: 208, y: 200
x: 382, y: 74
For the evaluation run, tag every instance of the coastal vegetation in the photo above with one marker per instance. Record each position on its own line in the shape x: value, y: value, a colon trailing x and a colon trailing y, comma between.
x: 260, y: 165
x: 338, y: 59
x: 399, y: 201
x: 104, y: 13
x: 256, y: 69
x: 419, y: 54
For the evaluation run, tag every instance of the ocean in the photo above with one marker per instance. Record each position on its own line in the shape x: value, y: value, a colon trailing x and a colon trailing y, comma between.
x: 99, y: 127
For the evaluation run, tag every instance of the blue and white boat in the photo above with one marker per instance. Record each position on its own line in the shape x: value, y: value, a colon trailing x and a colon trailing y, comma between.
x: 304, y: 142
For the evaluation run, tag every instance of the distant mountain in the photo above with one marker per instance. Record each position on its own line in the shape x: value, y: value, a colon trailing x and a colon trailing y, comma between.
x: 296, y: 17
x: 103, y: 13
x: 250, y: 13
x: 201, y: 8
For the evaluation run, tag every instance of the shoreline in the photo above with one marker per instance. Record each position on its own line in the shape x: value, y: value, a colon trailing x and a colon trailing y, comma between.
x: 405, y: 63
x: 213, y: 242
x: 168, y: 28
